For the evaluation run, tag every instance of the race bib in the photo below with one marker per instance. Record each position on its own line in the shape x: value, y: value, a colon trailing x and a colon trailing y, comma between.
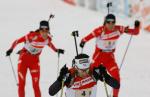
x: 32, y: 49
x: 83, y: 93
x: 109, y: 44
x: 88, y: 92
x: 106, y: 44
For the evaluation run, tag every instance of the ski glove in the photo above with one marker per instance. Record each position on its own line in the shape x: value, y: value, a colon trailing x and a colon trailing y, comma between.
x: 136, y: 23
x: 63, y: 73
x: 9, y: 52
x: 60, y: 51
x: 82, y: 44
x: 99, y: 72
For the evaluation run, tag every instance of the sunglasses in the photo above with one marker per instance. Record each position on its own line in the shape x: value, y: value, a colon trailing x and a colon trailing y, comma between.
x: 108, y: 22
x: 44, y: 29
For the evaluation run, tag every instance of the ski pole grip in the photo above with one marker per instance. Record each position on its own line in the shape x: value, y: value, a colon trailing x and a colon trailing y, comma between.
x: 75, y: 33
x: 109, y: 4
x: 51, y: 16
x: 60, y: 51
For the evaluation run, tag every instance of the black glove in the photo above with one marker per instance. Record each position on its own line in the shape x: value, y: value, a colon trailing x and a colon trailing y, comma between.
x: 9, y: 52
x: 102, y: 70
x: 96, y: 73
x: 136, y: 23
x: 60, y: 51
x: 63, y: 73
x: 51, y: 16
x: 126, y: 30
x: 82, y: 44
x: 99, y: 72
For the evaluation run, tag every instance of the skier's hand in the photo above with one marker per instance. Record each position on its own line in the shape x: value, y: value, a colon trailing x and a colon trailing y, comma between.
x: 60, y: 51
x: 96, y: 73
x: 8, y: 52
x: 51, y: 16
x: 82, y: 44
x: 99, y: 72
x: 126, y: 29
x: 137, y: 23
x: 63, y: 73
x: 102, y: 70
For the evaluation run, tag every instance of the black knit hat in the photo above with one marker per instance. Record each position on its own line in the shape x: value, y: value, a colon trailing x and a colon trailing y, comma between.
x: 81, y: 61
x: 80, y: 56
x: 44, y: 25
x: 110, y: 17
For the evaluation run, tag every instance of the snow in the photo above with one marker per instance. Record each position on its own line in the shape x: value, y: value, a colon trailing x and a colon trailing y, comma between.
x: 20, y: 16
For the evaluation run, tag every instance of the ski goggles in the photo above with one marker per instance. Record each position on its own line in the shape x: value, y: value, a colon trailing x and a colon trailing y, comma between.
x: 82, y: 63
x: 44, y: 29
x: 110, y: 21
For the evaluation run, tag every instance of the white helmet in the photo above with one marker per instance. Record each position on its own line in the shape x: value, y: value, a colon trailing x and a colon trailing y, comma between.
x: 82, y: 61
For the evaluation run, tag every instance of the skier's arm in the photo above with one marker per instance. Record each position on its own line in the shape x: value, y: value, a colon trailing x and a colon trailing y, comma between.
x: 134, y: 31
x: 90, y: 36
x: 93, y: 34
x: 55, y: 87
x: 100, y: 73
x: 25, y: 38
x: 51, y: 45
x: 16, y: 42
x: 111, y: 81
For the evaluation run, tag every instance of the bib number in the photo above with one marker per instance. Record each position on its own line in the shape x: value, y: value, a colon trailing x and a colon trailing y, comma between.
x: 83, y: 93
x: 109, y: 44
x: 32, y: 50
x: 106, y: 44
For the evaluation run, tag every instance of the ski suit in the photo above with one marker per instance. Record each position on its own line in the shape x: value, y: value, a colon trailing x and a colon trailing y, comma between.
x: 81, y: 86
x: 29, y: 59
x: 106, y: 41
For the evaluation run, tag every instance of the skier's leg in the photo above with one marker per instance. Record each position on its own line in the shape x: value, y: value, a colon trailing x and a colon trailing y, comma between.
x: 35, y: 73
x: 115, y: 74
x: 113, y: 69
x: 96, y: 58
x: 22, y: 70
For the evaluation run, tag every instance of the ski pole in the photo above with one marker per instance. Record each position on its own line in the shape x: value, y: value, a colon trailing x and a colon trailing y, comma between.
x: 75, y: 34
x: 129, y: 42
x: 62, y: 88
x: 58, y: 68
x: 58, y: 64
x: 108, y: 5
x: 106, y: 90
x: 62, y: 52
x: 13, y: 70
x: 125, y: 53
x: 82, y: 50
x: 51, y: 16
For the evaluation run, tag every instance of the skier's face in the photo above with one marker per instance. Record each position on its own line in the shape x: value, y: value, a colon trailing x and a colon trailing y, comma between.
x: 44, y: 33
x: 110, y: 24
x: 83, y: 72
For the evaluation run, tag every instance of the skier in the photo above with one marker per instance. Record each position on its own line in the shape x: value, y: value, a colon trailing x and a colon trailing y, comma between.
x: 29, y: 56
x: 81, y: 79
x: 106, y: 39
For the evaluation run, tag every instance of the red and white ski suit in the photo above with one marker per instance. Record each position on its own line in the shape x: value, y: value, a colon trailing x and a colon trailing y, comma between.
x: 82, y: 86
x: 105, y: 46
x: 29, y: 59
